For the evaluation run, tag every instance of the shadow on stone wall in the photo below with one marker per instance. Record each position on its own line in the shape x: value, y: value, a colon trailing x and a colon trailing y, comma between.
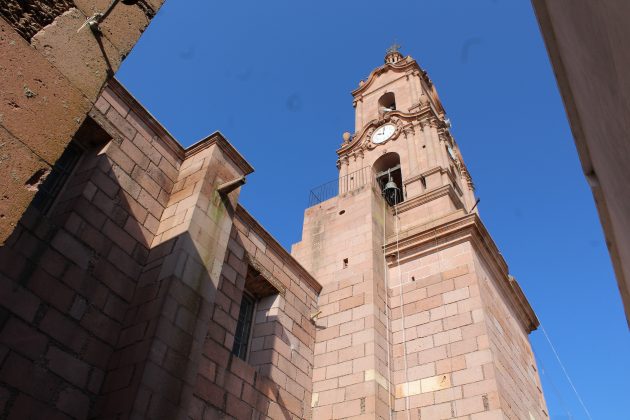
x: 96, y: 323
x: 231, y: 387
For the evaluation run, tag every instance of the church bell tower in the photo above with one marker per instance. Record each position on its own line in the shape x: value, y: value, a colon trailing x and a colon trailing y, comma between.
x: 418, y: 317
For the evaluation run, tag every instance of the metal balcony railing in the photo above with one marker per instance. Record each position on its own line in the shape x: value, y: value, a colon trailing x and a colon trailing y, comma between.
x: 342, y: 185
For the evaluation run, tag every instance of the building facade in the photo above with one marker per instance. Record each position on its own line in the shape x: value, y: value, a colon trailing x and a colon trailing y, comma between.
x: 419, y: 316
x: 136, y: 286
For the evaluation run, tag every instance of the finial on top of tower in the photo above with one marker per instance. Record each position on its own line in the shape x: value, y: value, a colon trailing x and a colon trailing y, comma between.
x: 392, y: 54
x: 393, y: 48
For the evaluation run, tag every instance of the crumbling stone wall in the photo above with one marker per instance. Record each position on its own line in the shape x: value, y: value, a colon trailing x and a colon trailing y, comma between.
x: 50, y: 77
x: 29, y: 17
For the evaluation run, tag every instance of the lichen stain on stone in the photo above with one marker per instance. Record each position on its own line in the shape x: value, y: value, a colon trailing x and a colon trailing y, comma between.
x: 29, y: 17
x: 29, y: 93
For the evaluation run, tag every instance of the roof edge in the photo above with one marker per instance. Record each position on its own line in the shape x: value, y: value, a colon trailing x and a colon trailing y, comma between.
x: 219, y: 139
x: 171, y: 142
x: 402, y: 65
x: 123, y: 93
x: 273, y: 243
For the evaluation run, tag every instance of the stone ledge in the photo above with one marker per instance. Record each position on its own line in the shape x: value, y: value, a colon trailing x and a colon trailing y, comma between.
x: 468, y: 228
x: 271, y: 242
x: 169, y: 140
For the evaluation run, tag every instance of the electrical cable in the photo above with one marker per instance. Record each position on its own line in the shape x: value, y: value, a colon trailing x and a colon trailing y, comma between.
x: 553, y: 385
x: 387, y: 313
x: 588, y: 414
x: 402, y: 310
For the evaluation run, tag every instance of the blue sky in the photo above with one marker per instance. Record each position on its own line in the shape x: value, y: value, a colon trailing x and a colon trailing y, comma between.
x: 275, y: 78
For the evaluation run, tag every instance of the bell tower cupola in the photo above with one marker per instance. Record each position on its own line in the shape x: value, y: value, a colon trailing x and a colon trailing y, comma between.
x: 392, y: 55
x: 398, y: 113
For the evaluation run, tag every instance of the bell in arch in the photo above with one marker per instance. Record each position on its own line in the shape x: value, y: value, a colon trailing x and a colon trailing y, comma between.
x: 389, y: 177
x: 391, y: 192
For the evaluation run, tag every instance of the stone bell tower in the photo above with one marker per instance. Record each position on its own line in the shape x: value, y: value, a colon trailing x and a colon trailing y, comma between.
x: 419, y: 317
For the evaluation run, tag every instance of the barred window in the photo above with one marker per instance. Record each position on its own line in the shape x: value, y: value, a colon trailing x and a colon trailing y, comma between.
x: 243, y: 327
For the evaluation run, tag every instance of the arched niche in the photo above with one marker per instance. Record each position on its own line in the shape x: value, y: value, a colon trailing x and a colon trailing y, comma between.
x: 387, y: 102
x: 387, y: 169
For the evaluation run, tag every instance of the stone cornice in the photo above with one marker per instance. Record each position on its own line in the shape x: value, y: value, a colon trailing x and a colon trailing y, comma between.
x: 433, y: 170
x: 399, y: 67
x: 362, y: 138
x: 146, y: 117
x: 169, y: 140
x: 225, y: 146
x: 271, y: 242
x: 468, y: 228
x: 445, y: 190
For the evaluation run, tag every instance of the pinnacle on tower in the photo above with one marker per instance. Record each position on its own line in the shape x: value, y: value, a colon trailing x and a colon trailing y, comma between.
x: 392, y: 54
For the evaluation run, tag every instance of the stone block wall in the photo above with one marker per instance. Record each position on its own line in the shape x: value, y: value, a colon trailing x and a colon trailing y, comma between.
x: 442, y: 365
x: 459, y: 331
x: 276, y: 379
x: 342, y: 246
x: 122, y: 299
x: 425, y: 350
x: 75, y: 270
x: 515, y: 370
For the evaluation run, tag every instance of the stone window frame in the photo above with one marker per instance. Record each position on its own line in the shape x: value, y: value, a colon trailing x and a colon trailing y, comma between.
x: 247, y: 296
x: 91, y: 137
x: 259, y: 283
x: 264, y: 274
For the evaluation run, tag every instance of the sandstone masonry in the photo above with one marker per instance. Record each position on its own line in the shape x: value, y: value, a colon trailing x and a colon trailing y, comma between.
x: 123, y: 299
x: 135, y: 285
x: 419, y: 316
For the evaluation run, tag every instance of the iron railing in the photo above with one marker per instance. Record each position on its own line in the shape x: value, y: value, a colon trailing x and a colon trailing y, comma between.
x: 342, y: 185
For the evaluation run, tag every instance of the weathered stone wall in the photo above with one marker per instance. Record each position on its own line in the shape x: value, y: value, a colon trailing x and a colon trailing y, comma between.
x: 445, y: 360
x: 276, y: 380
x: 50, y: 77
x: 30, y: 17
x: 342, y: 246
x: 122, y: 300
x: 515, y: 368
x: 441, y: 355
x: 68, y: 277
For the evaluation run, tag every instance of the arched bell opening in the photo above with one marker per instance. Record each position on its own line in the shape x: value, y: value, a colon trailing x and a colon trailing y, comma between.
x: 387, y: 102
x: 389, y: 178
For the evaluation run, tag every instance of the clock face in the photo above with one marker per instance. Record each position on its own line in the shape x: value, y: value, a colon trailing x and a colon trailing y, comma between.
x: 383, y: 133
